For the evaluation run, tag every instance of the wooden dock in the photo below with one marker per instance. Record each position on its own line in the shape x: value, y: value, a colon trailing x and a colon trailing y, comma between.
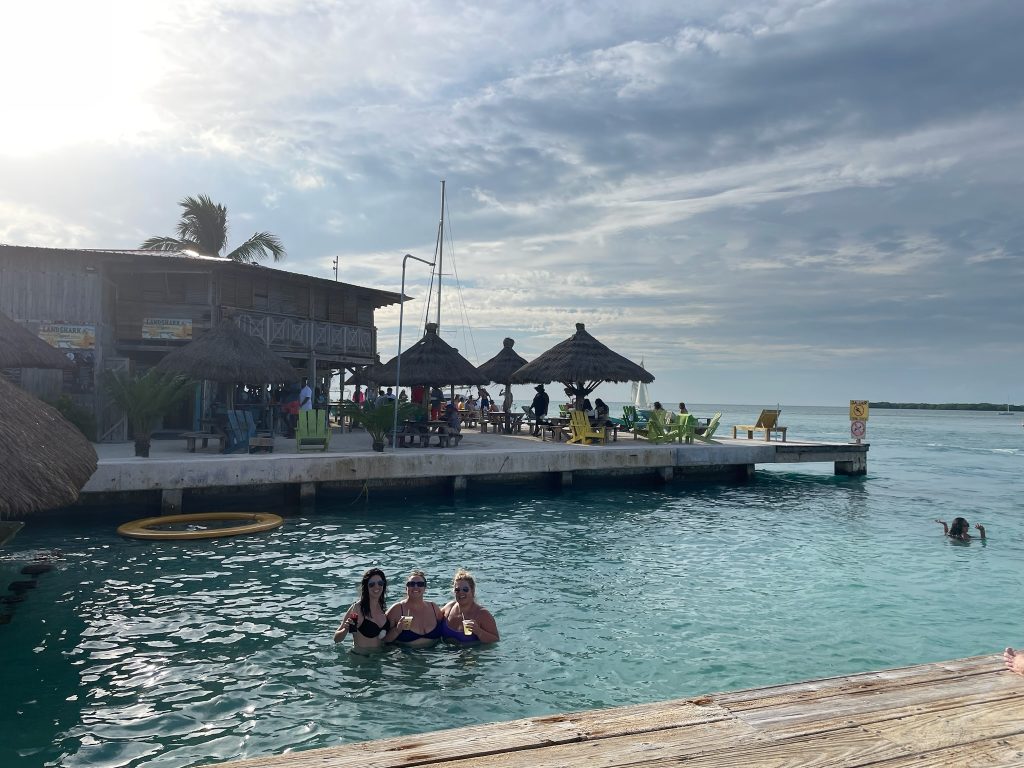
x: 965, y: 712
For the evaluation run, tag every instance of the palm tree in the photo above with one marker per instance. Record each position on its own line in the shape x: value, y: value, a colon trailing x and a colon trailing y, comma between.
x: 144, y: 398
x: 204, y: 229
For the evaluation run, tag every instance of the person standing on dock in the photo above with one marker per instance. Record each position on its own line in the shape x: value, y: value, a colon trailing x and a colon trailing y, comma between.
x: 306, y: 397
x: 540, y: 408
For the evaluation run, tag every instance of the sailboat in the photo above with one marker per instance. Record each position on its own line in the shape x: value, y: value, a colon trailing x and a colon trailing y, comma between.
x: 1007, y: 412
x: 640, y: 399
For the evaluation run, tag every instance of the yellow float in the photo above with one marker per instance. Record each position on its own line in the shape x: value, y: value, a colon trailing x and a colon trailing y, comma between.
x: 248, y: 522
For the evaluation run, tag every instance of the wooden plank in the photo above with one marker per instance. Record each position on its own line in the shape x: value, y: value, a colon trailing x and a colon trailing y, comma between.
x: 987, y: 753
x: 923, y: 728
x: 661, y: 748
x: 866, y: 681
x: 864, y: 705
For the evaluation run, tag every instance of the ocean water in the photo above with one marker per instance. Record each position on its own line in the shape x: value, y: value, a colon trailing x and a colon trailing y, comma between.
x: 177, y: 654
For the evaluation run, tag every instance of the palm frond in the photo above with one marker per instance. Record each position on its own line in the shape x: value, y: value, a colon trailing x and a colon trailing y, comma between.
x: 204, y: 223
x: 258, y: 247
x: 166, y: 244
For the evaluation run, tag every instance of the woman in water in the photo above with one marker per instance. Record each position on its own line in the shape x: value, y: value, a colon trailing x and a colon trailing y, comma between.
x: 961, y: 529
x: 466, y: 621
x: 415, y: 622
x: 366, y: 620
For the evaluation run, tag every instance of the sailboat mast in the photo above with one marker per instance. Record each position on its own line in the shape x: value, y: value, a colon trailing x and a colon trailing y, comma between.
x: 440, y: 257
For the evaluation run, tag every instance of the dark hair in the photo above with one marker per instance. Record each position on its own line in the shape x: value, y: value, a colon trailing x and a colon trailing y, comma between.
x: 959, y: 528
x: 599, y: 402
x: 657, y: 405
x: 364, y: 591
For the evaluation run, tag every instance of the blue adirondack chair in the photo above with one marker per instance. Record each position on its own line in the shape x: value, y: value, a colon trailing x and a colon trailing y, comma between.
x: 238, y: 433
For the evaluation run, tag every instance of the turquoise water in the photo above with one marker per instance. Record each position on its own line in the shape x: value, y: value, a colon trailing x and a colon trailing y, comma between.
x: 162, y: 654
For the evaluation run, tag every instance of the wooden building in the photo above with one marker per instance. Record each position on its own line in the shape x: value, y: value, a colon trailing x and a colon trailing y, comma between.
x: 126, y: 309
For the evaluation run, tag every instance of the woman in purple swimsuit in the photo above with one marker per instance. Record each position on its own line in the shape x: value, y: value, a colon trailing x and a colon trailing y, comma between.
x: 366, y: 620
x: 466, y: 621
x: 415, y: 622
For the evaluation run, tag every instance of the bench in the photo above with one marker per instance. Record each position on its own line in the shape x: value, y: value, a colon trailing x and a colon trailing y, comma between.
x: 191, y: 437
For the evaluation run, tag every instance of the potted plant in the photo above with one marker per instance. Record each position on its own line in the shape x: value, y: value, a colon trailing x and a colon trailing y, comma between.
x: 145, y: 398
x: 378, y: 422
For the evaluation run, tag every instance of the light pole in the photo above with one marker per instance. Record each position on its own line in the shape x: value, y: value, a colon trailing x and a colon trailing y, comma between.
x: 335, y: 269
x: 398, y: 359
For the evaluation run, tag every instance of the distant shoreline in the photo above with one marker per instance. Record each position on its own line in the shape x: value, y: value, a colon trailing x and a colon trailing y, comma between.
x: 949, y: 406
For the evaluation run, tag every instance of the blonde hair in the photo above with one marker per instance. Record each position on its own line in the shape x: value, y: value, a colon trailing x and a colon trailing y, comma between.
x: 463, y: 575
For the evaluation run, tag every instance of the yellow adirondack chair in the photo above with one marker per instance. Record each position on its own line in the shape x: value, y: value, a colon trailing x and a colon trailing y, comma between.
x: 581, y: 429
x: 766, y: 422
x: 312, y: 432
x: 682, y: 428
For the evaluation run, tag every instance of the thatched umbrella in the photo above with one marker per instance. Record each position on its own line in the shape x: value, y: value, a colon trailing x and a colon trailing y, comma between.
x: 229, y: 355
x: 581, y: 363
x: 500, y: 369
x: 431, y: 361
x: 45, y: 459
x: 20, y: 348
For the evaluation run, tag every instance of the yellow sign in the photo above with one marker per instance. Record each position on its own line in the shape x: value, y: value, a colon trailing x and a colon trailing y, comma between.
x: 858, y: 410
x: 68, y: 336
x: 166, y: 328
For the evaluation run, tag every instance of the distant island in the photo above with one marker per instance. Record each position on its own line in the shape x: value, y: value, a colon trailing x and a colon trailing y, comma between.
x: 950, y: 406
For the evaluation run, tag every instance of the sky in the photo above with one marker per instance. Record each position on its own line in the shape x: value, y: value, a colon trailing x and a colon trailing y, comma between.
x: 768, y: 201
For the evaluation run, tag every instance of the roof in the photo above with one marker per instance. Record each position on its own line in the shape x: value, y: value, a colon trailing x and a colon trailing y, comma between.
x: 228, y: 354
x: 46, y: 460
x: 581, y: 358
x: 500, y: 368
x: 20, y: 348
x: 429, y: 361
x: 381, y: 298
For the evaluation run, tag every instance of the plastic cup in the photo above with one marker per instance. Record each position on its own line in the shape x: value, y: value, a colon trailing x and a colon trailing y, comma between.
x: 407, y: 622
x: 468, y: 625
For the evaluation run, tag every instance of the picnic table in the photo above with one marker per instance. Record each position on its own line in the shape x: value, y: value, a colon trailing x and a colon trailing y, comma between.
x: 505, y: 422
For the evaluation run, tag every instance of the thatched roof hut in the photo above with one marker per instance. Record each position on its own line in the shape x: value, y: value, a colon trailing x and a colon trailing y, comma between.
x: 45, y: 459
x: 500, y: 368
x: 581, y: 362
x: 429, y: 361
x: 229, y: 355
x: 20, y: 348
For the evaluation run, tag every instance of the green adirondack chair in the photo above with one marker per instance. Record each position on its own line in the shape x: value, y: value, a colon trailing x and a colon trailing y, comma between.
x: 629, y: 417
x: 683, y: 428
x: 656, y: 431
x: 312, y: 432
x: 709, y: 430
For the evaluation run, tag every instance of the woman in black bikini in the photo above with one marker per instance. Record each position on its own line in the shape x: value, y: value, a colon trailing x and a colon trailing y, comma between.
x: 415, y: 622
x: 366, y: 620
x: 960, y: 529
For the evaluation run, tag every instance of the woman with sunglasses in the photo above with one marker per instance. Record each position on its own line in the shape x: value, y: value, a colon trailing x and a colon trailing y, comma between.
x: 466, y: 621
x: 366, y: 620
x: 415, y: 622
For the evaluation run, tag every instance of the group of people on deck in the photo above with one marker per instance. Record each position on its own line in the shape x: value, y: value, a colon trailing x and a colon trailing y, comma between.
x: 414, y: 621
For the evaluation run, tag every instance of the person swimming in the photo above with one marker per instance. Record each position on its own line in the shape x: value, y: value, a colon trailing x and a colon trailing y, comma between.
x: 366, y: 619
x: 960, y: 530
x: 415, y: 622
x: 465, y: 620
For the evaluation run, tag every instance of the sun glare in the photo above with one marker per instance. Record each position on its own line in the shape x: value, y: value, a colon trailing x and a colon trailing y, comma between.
x: 76, y: 73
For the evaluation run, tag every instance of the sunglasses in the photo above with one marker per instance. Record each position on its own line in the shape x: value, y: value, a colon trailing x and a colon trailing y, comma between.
x: 460, y: 589
x: 422, y: 584
x: 375, y: 583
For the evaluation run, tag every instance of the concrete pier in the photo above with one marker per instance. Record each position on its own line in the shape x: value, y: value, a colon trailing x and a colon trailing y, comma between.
x: 481, y: 460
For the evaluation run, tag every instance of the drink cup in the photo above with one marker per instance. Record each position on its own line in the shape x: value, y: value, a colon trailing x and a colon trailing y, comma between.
x: 407, y: 622
x: 353, y: 619
x: 468, y: 625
